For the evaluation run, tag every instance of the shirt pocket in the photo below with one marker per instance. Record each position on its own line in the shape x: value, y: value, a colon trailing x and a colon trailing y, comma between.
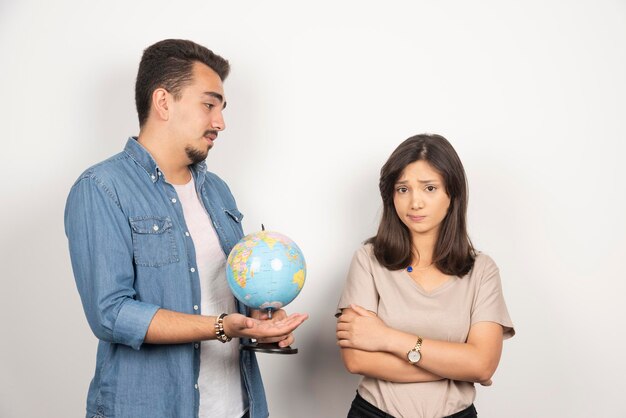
x: 231, y: 225
x: 153, y: 241
x: 234, y: 214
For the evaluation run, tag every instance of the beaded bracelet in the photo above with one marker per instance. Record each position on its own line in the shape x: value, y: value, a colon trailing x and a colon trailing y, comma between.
x: 219, y: 329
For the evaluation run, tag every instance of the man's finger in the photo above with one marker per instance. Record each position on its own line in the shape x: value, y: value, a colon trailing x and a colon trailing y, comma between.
x: 287, y: 341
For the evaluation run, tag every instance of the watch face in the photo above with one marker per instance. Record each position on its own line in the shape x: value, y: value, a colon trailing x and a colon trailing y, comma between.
x: 414, y: 356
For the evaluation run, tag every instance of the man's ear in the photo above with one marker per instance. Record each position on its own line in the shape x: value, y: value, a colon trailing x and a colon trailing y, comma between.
x: 160, y: 103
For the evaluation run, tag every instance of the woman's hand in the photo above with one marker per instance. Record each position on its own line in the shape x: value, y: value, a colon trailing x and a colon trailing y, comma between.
x: 361, y: 329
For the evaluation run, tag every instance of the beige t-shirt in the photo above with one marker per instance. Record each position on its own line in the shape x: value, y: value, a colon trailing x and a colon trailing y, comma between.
x: 445, y: 314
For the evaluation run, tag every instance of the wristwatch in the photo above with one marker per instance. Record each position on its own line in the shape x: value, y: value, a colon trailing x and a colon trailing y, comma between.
x: 414, y: 354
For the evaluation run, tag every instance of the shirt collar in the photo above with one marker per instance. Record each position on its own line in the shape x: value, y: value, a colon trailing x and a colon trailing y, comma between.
x: 137, y: 152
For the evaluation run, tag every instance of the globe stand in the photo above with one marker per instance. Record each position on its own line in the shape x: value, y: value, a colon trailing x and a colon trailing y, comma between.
x: 272, y: 348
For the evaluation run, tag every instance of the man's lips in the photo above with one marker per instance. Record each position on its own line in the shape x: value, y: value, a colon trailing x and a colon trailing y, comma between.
x: 210, y: 137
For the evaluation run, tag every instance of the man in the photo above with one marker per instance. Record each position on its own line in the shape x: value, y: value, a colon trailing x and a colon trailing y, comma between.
x: 149, y: 230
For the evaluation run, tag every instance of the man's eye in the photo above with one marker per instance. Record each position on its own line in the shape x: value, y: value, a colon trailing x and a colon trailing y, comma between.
x: 209, y: 105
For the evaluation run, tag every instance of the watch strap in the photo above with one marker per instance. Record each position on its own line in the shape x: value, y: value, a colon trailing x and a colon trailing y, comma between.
x: 417, y: 348
x: 418, y: 344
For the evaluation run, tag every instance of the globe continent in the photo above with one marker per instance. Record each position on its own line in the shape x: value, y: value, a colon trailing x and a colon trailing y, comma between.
x: 266, y: 270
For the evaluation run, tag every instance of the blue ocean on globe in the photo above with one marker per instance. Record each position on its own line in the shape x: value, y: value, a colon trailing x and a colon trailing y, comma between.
x: 266, y: 270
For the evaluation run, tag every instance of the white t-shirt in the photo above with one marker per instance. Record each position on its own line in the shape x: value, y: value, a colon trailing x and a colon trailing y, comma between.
x: 219, y: 383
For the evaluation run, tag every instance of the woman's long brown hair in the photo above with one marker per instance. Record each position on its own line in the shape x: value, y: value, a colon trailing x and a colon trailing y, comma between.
x: 453, y: 253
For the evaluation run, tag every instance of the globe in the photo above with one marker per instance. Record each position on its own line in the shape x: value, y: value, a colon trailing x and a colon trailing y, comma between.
x: 266, y: 270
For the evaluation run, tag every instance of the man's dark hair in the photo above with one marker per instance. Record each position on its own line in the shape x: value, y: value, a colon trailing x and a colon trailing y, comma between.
x: 453, y: 253
x: 168, y: 64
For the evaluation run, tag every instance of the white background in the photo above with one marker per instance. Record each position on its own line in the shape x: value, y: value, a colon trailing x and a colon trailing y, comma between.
x: 531, y: 93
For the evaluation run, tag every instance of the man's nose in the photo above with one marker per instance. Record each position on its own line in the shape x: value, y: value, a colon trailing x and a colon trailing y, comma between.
x: 218, y: 122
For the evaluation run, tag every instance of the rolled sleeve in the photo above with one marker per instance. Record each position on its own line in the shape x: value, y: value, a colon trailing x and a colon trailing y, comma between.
x: 132, y: 322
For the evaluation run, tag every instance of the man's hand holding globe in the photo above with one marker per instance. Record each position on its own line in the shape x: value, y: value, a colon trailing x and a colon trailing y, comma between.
x: 278, y: 329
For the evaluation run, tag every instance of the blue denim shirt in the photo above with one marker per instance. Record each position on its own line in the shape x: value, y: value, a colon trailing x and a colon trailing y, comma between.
x: 131, y: 255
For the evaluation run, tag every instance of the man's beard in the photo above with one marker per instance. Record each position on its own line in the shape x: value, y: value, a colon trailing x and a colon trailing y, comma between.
x: 196, y: 156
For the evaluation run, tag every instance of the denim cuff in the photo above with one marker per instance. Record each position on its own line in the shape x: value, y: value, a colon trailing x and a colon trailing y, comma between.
x: 132, y: 323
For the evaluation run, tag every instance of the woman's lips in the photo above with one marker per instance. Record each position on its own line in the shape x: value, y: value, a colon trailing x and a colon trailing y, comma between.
x: 416, y: 218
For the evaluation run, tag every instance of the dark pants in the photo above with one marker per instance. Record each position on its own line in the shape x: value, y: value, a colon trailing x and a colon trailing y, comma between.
x: 363, y: 409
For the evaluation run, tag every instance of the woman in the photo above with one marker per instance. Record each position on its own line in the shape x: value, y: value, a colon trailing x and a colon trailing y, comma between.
x: 422, y: 313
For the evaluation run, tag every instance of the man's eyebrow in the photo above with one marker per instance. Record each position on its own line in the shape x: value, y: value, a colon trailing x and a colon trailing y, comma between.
x: 217, y: 96
x: 214, y: 94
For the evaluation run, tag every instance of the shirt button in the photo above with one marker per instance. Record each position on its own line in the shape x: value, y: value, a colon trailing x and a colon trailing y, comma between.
x: 195, y: 307
x: 195, y: 386
x: 155, y: 227
x: 186, y: 234
x: 159, y: 173
x: 196, y: 345
x: 173, y: 200
x: 192, y: 270
x: 152, y: 176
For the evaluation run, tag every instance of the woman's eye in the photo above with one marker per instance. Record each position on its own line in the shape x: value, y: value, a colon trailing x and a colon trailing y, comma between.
x: 401, y: 189
x: 431, y: 188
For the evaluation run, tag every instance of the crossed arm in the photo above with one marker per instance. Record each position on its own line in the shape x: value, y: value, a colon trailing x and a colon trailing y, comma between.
x: 371, y: 348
